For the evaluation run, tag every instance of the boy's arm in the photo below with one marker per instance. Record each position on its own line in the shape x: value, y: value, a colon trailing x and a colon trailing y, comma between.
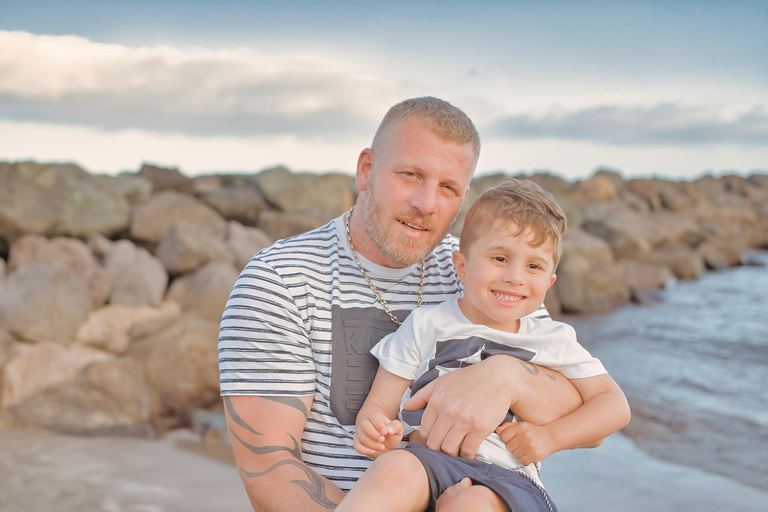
x: 266, y: 439
x: 604, y: 412
x: 382, y: 400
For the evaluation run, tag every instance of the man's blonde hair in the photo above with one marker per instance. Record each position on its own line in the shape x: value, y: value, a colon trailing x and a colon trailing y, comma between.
x: 519, y: 202
x: 450, y: 122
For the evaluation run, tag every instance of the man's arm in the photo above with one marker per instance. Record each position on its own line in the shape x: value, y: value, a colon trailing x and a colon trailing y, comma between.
x: 266, y: 438
x: 463, y: 407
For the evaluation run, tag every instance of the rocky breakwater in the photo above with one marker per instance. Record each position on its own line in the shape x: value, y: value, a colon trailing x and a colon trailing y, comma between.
x: 111, y: 288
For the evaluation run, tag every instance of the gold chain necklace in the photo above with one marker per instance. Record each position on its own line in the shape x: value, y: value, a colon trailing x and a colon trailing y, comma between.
x: 368, y: 279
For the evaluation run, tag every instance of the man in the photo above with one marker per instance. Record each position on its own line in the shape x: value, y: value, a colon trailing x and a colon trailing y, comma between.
x: 304, y: 313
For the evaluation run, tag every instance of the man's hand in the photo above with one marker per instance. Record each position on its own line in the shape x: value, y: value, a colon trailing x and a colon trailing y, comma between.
x: 463, y: 407
x: 377, y: 434
x: 527, y: 442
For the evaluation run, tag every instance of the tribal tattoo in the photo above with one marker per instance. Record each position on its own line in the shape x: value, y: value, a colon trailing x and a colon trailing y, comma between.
x: 313, y: 485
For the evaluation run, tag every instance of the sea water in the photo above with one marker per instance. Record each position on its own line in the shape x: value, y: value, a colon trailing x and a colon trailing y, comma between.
x: 694, y: 367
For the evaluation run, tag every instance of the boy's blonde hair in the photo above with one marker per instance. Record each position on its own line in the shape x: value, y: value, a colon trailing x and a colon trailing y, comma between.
x: 519, y: 202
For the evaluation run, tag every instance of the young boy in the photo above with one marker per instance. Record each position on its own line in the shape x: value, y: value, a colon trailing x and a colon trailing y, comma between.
x: 509, y: 249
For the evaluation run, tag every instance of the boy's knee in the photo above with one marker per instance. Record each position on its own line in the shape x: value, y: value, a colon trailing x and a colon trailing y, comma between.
x: 398, y: 466
x: 477, y: 497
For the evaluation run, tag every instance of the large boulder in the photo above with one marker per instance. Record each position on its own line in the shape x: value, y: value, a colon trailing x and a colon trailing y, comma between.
x: 278, y: 225
x: 187, y: 246
x: 43, y: 302
x: 152, y: 220
x: 595, y: 189
x: 579, y: 243
x: 244, y: 242
x: 75, y: 256
x: 324, y: 195
x: 183, y: 369
x: 583, y: 289
x: 163, y: 178
x: 136, y: 189
x: 682, y: 262
x: 243, y: 205
x: 649, y: 190
x: 206, y: 183
x: 204, y: 293
x: 57, y: 200
x: 108, y: 328
x: 136, y: 277
x: 32, y: 368
x: 644, y: 278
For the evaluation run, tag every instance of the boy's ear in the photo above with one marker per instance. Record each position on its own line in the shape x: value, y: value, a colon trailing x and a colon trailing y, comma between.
x: 460, y: 262
x: 552, y: 281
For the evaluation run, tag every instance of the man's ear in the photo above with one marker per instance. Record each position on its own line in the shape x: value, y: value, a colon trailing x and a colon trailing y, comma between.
x: 364, y: 166
x: 460, y: 262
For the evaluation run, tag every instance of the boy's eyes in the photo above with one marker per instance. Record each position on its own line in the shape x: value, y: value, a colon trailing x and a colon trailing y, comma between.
x: 500, y: 259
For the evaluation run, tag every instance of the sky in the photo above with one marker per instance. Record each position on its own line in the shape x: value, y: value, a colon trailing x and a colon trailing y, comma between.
x: 648, y: 88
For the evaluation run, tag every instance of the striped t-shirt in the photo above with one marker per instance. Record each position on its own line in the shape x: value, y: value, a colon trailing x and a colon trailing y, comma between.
x: 301, y: 320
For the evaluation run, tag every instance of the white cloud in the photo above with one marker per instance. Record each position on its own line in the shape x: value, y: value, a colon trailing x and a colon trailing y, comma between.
x: 660, y: 124
x: 241, y: 92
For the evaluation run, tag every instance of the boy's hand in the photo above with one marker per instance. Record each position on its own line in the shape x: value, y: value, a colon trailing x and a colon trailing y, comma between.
x: 377, y: 434
x: 527, y: 442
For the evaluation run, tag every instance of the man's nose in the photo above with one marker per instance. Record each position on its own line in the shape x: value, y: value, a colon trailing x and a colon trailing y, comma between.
x: 425, y: 199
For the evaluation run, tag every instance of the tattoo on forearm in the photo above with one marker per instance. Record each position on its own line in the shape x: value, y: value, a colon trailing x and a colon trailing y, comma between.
x: 550, y: 375
x: 261, y: 450
x: 533, y: 370
x: 290, y: 401
x: 314, y: 486
x: 236, y: 417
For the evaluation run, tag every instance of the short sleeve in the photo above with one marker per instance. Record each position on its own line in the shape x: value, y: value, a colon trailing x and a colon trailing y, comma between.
x: 574, y: 361
x: 264, y: 348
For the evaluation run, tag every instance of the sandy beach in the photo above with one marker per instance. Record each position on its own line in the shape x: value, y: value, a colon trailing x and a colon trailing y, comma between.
x: 44, y: 471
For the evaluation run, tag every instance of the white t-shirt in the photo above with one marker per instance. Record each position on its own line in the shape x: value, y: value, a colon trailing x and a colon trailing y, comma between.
x: 437, y: 340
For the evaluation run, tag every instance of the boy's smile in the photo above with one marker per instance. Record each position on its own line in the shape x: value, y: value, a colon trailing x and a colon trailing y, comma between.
x: 504, y: 277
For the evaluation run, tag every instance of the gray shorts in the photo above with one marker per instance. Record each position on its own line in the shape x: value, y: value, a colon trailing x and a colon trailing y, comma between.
x: 518, y: 491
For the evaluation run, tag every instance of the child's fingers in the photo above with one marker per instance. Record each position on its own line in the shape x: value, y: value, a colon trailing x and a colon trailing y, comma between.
x: 379, y: 422
x: 395, y: 428
x: 363, y: 447
x: 368, y: 429
x: 507, y: 431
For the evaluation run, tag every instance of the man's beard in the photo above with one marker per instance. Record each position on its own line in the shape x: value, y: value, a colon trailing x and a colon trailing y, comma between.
x: 394, y: 246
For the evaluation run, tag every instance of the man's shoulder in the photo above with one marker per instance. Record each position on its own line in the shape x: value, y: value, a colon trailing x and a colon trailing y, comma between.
x: 317, y: 242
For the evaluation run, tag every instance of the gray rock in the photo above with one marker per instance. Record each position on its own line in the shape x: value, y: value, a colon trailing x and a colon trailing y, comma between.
x: 43, y: 302
x: 136, y: 277
x: 79, y: 409
x: 184, y: 370
x: 30, y: 369
x: 204, y: 293
x: 57, y: 200
x: 594, y: 189
x: 713, y: 256
x: 579, y: 243
x: 244, y: 242
x: 74, y: 255
x: 206, y: 183
x: 187, y: 246
x: 683, y: 263
x: 582, y: 289
x: 327, y: 195
x: 243, y: 205
x: 135, y: 188
x: 644, y: 277
x: 163, y: 178
x: 278, y: 225
x: 108, y: 328
x: 151, y: 221
x: 124, y: 382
